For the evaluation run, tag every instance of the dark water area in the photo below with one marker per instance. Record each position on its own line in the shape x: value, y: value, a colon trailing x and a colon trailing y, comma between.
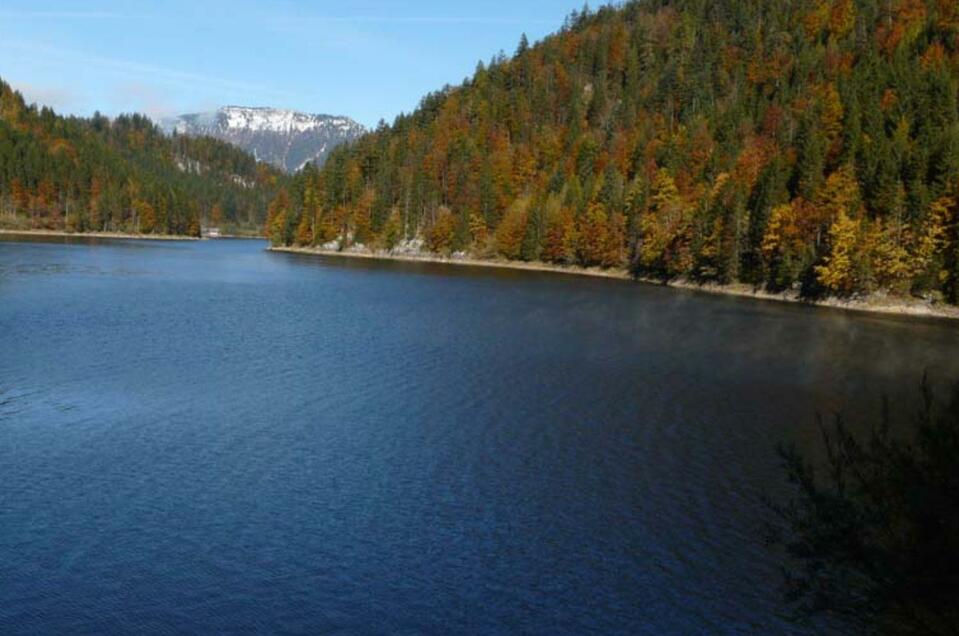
x: 207, y: 437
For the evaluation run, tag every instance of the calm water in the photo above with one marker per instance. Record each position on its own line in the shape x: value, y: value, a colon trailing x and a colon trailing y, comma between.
x: 205, y: 437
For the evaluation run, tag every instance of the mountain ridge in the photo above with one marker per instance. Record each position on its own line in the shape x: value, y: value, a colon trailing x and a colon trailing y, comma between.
x: 285, y: 138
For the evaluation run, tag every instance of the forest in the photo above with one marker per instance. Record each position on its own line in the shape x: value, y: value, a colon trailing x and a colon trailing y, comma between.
x: 121, y: 175
x: 808, y: 145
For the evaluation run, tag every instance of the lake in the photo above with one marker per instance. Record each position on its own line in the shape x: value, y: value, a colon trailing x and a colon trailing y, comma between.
x: 208, y: 437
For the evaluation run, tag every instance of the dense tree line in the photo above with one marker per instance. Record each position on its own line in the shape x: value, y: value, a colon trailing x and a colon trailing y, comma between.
x: 805, y: 144
x: 97, y: 174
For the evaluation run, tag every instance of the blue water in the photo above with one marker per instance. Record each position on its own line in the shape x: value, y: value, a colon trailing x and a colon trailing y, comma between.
x: 207, y: 437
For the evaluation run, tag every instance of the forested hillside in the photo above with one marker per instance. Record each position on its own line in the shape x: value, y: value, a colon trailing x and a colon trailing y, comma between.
x: 124, y: 175
x: 789, y: 144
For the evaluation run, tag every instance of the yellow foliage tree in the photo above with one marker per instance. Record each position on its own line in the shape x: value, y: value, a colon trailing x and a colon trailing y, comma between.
x: 509, y: 235
x: 276, y: 213
x: 839, y: 194
x: 838, y: 274
x: 663, y: 227
x: 887, y: 256
x: 831, y: 119
x: 478, y: 229
x: 935, y: 239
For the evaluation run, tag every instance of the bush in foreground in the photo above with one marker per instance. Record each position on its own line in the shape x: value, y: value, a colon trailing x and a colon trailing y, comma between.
x: 872, y: 534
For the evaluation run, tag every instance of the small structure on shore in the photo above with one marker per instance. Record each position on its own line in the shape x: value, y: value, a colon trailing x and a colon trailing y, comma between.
x: 211, y: 232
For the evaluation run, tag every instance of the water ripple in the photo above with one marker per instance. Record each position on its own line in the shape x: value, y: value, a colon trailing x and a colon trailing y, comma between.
x: 210, y: 438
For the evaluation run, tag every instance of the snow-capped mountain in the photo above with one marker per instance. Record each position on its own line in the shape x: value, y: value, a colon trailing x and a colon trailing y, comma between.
x: 284, y: 138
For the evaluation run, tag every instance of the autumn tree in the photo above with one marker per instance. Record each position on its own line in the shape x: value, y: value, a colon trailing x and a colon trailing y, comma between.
x: 935, y: 250
x: 216, y: 215
x: 392, y: 232
x: 145, y: 215
x: 511, y: 231
x: 440, y: 237
x: 662, y: 229
x: 614, y: 248
x: 363, y: 218
x: 479, y: 232
x: 839, y: 272
x: 304, y: 231
x: 561, y: 235
x: 278, y: 219
x: 592, y: 234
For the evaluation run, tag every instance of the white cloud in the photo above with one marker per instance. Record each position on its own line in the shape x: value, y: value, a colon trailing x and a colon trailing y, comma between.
x: 59, y: 99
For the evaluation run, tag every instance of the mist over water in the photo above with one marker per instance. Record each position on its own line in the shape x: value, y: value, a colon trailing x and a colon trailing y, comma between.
x: 206, y: 436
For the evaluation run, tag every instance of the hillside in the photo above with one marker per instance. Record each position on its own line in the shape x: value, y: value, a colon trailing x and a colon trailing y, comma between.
x: 87, y: 175
x: 787, y: 144
x: 285, y: 139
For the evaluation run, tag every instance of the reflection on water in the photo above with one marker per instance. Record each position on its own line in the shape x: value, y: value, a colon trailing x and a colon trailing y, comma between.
x: 209, y: 437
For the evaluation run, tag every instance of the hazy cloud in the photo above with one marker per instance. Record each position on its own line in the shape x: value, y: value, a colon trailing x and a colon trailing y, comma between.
x: 136, y: 71
x: 58, y: 98
x: 143, y: 98
x: 367, y: 19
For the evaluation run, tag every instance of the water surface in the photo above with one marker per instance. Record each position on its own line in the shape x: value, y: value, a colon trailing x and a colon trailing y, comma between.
x: 206, y: 437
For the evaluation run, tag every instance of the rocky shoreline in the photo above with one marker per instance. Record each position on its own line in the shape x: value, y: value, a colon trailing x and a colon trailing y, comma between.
x: 876, y: 304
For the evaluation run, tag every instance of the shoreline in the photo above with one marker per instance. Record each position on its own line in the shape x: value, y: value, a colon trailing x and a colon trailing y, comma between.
x: 889, y: 306
x: 112, y: 235
x: 237, y: 237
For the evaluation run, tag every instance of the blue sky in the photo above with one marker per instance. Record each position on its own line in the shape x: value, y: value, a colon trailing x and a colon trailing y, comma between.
x: 369, y: 59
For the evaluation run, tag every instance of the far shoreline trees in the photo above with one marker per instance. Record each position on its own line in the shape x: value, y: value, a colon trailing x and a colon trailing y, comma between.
x: 73, y: 174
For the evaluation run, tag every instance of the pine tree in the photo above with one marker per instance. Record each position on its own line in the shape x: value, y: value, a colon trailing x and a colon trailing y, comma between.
x: 811, y: 162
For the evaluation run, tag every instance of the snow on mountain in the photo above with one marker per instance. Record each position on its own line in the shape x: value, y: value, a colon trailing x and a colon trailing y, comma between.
x: 285, y: 138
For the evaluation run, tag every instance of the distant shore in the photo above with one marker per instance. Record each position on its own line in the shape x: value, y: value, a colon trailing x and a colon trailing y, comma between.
x: 245, y: 237
x: 877, y: 304
x: 113, y: 235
